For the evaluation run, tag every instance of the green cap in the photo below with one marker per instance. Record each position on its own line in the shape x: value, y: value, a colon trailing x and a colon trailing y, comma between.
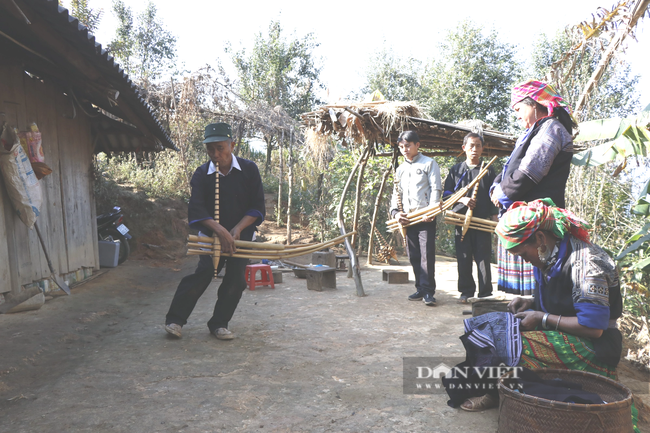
x: 217, y: 132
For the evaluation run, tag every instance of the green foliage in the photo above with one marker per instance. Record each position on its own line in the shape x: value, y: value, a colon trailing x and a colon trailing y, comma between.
x: 623, y: 138
x: 86, y: 15
x: 163, y: 177
x: 472, y: 77
x: 144, y: 47
x: 606, y: 202
x: 396, y: 78
x: 279, y: 71
x: 615, y: 95
x: 324, y: 219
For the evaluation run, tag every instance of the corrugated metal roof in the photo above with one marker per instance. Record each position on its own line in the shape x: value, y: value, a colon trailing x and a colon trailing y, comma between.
x: 108, y: 75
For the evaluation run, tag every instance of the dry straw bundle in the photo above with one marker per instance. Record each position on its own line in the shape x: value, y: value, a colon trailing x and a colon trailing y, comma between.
x: 360, y: 122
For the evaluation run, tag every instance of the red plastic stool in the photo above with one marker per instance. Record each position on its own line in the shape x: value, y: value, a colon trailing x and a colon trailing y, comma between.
x: 265, y: 274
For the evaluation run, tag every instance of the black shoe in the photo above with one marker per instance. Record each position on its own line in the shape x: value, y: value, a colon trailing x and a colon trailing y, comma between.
x: 429, y: 300
x: 415, y: 296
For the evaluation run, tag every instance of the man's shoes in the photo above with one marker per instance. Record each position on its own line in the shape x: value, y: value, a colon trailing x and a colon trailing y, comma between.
x: 429, y: 300
x: 174, y: 329
x: 463, y: 299
x: 415, y: 296
x: 223, y: 334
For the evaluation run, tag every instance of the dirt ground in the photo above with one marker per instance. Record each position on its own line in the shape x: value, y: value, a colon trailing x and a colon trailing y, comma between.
x: 100, y: 361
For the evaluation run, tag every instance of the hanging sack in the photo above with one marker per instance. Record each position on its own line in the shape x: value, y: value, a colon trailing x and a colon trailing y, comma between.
x: 19, y: 178
x: 31, y: 142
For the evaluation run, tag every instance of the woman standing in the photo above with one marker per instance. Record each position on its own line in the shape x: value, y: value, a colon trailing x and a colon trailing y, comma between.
x: 538, y: 167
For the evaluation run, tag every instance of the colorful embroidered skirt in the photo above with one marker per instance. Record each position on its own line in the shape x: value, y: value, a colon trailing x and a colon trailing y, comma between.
x: 515, y: 275
x: 552, y: 349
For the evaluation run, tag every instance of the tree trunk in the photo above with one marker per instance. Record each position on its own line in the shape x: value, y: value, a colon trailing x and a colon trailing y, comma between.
x: 357, y: 203
x: 638, y: 11
x: 279, y: 208
x: 240, y: 136
x: 269, y: 149
x: 354, y: 261
x: 319, y: 204
x: 376, y: 210
x: 290, y: 192
x: 182, y: 146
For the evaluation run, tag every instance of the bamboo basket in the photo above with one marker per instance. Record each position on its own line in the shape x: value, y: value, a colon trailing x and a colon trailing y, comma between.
x: 524, y: 413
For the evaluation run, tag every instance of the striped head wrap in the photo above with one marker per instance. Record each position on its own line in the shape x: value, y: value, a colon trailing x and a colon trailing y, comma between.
x: 540, y: 92
x: 523, y: 219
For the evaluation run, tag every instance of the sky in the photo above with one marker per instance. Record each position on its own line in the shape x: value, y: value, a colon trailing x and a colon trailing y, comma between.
x: 351, y: 32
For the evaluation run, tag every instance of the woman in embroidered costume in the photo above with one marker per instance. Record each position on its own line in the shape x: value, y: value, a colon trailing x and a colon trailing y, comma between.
x: 578, y: 295
x: 537, y: 168
x: 571, y: 321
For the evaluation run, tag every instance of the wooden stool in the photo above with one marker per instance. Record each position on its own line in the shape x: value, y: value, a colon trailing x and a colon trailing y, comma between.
x: 265, y: 274
x: 327, y: 258
x: 395, y: 276
x: 321, y: 277
x: 340, y: 261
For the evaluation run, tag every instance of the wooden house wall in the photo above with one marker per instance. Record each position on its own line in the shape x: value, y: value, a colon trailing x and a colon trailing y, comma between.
x: 67, y: 220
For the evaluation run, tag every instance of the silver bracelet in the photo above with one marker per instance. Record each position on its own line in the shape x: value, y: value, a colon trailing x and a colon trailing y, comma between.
x: 557, y: 325
x: 544, y: 320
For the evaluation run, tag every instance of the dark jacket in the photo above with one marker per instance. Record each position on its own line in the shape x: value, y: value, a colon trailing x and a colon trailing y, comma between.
x: 539, y: 166
x: 240, y: 194
x: 459, y: 176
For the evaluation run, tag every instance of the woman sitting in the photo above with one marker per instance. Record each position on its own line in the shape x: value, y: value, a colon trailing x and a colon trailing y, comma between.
x: 578, y: 297
x: 571, y: 321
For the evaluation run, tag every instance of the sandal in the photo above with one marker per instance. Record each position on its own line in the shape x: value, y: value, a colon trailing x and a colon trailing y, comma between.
x: 463, y: 300
x: 478, y: 404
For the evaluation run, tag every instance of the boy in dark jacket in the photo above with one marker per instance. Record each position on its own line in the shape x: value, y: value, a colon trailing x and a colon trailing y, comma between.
x: 477, y: 245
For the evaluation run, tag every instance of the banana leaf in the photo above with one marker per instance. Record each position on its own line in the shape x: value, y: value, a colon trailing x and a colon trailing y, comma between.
x: 643, y: 203
x: 641, y: 264
x: 627, y: 137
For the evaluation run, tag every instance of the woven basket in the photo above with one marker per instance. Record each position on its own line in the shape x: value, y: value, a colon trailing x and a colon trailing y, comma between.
x: 523, y: 413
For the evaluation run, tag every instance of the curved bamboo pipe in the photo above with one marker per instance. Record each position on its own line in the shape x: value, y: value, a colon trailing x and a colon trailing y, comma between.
x: 437, y: 208
x: 476, y: 223
x: 268, y: 253
x: 470, y: 212
x: 238, y: 243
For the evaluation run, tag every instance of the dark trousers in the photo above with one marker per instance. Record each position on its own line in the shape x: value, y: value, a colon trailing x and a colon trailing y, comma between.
x: 192, y: 287
x: 421, y: 242
x: 477, y: 247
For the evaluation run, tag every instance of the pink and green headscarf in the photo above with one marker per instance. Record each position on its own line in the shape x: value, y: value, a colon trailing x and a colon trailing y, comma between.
x: 523, y: 219
x: 541, y: 93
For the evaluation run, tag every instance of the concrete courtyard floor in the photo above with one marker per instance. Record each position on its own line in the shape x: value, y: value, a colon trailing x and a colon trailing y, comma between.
x: 303, y: 361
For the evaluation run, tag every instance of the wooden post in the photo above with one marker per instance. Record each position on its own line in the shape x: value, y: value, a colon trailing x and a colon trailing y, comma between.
x: 357, y: 202
x: 376, y: 210
x: 354, y: 261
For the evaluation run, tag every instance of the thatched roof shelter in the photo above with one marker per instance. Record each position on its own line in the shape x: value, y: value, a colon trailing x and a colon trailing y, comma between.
x: 380, y: 123
x: 375, y: 127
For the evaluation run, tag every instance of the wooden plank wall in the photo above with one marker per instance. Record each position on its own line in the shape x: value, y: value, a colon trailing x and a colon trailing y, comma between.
x: 67, y: 220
